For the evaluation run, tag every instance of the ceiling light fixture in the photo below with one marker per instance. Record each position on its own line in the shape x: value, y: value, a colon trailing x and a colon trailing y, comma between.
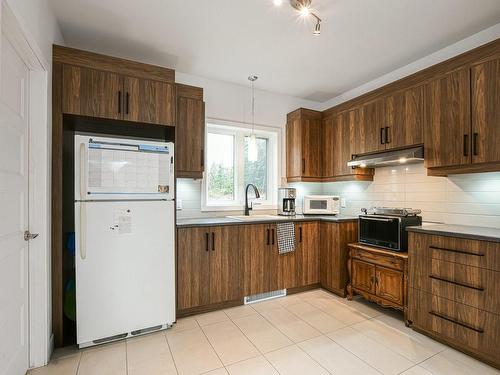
x: 253, y: 151
x: 304, y: 8
x: 278, y: 2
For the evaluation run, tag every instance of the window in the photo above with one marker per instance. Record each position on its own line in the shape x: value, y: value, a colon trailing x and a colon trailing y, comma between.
x: 228, y: 170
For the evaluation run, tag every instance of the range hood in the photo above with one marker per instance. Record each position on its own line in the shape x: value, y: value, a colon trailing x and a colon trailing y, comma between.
x: 386, y: 158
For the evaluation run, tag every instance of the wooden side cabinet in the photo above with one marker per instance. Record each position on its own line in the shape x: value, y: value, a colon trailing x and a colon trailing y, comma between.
x: 378, y: 275
x: 190, y: 132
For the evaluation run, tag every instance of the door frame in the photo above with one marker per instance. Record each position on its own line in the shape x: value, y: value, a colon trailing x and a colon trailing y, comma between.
x: 40, y: 338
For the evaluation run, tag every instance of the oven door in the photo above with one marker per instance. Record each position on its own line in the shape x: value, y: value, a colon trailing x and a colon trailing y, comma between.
x: 380, y: 231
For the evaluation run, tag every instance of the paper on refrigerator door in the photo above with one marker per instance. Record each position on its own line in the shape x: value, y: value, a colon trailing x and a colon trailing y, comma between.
x: 121, y: 171
x: 123, y: 221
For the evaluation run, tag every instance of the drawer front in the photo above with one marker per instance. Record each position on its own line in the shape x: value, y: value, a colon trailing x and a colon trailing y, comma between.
x: 480, y: 254
x: 472, y: 286
x: 470, y: 327
x: 379, y: 259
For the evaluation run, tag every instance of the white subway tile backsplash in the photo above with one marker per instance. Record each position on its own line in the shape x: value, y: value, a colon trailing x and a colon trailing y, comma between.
x: 471, y: 199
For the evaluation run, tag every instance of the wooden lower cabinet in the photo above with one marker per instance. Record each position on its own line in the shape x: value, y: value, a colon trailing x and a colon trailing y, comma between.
x: 378, y: 275
x: 453, y: 292
x: 333, y: 254
x: 209, y: 266
x: 261, y: 259
x: 363, y: 275
x: 307, y: 253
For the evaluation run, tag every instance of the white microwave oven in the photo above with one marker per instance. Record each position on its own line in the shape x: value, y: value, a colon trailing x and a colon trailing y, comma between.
x: 321, y: 205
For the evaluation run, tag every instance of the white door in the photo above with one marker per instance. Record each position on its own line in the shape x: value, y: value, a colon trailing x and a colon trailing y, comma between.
x: 14, y: 76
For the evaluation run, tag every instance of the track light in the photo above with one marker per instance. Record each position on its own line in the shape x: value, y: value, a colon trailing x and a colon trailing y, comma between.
x: 305, y: 10
x: 317, y: 29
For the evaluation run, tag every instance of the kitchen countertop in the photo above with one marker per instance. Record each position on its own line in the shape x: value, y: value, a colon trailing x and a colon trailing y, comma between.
x: 208, y: 221
x: 459, y: 231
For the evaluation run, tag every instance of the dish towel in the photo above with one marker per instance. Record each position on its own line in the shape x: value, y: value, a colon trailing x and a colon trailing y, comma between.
x: 286, y: 237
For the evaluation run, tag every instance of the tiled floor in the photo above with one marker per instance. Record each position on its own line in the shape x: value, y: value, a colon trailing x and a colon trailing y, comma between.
x: 309, y: 333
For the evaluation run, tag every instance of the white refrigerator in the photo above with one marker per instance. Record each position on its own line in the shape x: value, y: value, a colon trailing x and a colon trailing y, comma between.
x: 124, y: 231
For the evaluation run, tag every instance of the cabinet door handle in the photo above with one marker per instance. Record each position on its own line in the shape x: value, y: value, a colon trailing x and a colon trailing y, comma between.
x: 300, y: 234
x: 127, y: 103
x: 452, y: 320
x: 456, y: 251
x: 478, y: 288
x: 466, y: 145
x: 202, y: 158
x: 272, y: 236
x: 387, y: 135
x: 382, y: 137
x: 474, y: 144
x: 213, y: 241
x: 268, y: 236
x: 119, y: 102
x: 206, y: 242
x: 303, y: 165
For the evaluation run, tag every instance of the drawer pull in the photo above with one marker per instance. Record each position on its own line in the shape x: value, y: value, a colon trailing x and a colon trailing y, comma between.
x: 457, y: 283
x: 456, y: 251
x: 449, y: 319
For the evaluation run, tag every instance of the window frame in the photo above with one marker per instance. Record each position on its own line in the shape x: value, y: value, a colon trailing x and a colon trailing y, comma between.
x: 239, y: 131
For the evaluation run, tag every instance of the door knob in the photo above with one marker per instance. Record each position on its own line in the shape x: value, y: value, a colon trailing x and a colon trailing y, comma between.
x: 29, y: 236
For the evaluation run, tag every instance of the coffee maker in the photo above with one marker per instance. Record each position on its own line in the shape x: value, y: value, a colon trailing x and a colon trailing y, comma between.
x: 286, y: 201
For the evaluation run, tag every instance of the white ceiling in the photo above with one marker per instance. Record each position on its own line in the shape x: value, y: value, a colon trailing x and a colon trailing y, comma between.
x: 229, y: 39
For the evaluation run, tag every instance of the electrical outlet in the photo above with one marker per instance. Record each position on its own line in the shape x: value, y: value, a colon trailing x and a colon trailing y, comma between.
x: 343, y: 202
x: 179, y: 204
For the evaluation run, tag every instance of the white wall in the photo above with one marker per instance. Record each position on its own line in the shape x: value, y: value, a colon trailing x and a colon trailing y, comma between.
x: 38, y: 20
x: 230, y: 102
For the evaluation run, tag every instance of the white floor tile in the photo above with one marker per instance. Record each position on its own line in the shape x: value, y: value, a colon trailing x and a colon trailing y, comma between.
x: 254, y: 366
x: 335, y: 358
x: 192, y: 352
x: 376, y: 355
x: 293, y: 361
x: 229, y: 342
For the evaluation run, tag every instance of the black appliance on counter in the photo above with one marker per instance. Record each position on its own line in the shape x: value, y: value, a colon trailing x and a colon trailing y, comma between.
x: 386, y: 227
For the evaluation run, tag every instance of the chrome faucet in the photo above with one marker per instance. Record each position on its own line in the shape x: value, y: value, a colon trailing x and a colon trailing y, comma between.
x: 257, y: 195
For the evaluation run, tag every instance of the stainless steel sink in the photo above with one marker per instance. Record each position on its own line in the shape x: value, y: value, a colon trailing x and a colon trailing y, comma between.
x: 258, y: 217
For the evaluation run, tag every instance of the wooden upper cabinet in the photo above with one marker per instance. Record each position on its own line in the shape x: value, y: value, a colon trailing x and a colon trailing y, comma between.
x: 148, y: 101
x: 90, y: 92
x: 303, y: 145
x: 447, y: 120
x: 485, y: 80
x: 328, y: 145
x: 190, y: 132
x: 345, y: 145
x: 404, y: 118
x: 371, y: 127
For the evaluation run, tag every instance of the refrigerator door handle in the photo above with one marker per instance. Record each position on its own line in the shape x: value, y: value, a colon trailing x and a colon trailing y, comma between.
x: 83, y: 230
x: 83, y: 165
x: 83, y: 213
